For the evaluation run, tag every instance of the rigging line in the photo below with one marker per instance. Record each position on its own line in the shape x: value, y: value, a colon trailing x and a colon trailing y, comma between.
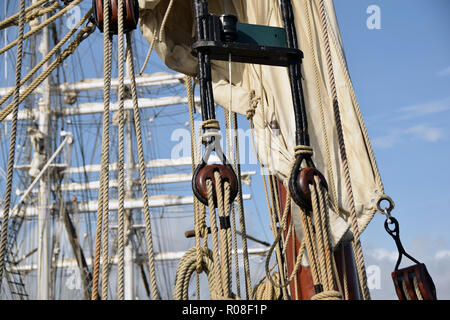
x: 4, y: 23
x: 48, y: 56
x: 12, y: 145
x: 137, y: 122
x: 82, y: 35
x: 359, y: 258
x: 42, y: 25
x: 121, y: 156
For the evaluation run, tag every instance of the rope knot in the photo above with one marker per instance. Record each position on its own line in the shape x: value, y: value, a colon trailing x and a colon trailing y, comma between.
x: 210, y: 124
x: 252, y: 105
x: 302, y: 149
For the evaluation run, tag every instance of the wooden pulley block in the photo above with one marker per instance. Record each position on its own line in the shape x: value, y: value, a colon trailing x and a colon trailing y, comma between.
x: 206, y: 172
x: 414, y: 283
x: 130, y: 15
x: 299, y: 186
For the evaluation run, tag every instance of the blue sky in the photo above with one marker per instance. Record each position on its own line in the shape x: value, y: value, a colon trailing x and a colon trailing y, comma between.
x: 401, y: 75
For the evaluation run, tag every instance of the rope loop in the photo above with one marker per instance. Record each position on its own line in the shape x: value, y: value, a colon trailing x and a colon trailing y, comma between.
x: 327, y: 295
x: 303, y: 149
x: 210, y: 124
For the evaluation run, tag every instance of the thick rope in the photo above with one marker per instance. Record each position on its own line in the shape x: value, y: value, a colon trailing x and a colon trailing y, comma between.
x: 82, y: 35
x: 266, y: 290
x: 215, y: 241
x: 231, y: 158
x: 48, y: 56
x: 12, y: 142
x: 30, y: 16
x: 223, y: 201
x: 240, y: 206
x: 187, y: 266
x: 13, y: 19
x: 140, y: 147
x: 330, y: 167
x: 107, y: 48
x: 327, y: 295
x: 102, y: 210
x: 359, y: 258
x: 199, y: 222
x: 121, y: 157
x: 41, y: 25
x: 356, y: 108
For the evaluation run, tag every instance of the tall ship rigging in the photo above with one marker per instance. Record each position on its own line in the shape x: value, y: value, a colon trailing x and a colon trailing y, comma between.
x: 97, y: 204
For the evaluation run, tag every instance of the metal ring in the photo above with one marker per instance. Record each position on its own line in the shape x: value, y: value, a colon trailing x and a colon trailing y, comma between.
x: 388, y: 199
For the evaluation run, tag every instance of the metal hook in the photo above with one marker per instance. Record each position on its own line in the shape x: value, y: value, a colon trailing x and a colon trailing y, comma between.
x: 395, y: 234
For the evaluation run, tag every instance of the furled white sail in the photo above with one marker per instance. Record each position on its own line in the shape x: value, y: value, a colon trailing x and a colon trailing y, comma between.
x: 274, y: 118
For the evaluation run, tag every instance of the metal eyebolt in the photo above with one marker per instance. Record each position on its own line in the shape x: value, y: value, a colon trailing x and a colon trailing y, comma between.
x: 388, y: 209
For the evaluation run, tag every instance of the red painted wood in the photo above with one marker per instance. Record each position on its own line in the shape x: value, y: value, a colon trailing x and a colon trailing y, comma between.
x: 304, y: 278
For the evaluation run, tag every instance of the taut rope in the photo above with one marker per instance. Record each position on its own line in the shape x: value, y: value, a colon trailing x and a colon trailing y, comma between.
x: 12, y: 143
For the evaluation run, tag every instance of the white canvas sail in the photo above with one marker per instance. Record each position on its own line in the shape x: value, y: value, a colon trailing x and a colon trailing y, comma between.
x: 274, y: 118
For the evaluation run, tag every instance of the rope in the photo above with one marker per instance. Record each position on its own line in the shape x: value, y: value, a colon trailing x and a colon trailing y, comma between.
x: 215, y: 241
x: 331, y: 182
x: 32, y: 15
x: 82, y: 35
x: 359, y: 259
x: 210, y: 124
x: 12, y: 143
x: 231, y: 158
x: 48, y: 56
x: 11, y: 20
x: 266, y: 290
x: 163, y: 23
x: 149, y: 53
x: 327, y: 295
x: 302, y: 149
x: 187, y: 266
x: 252, y: 105
x: 417, y: 289
x: 121, y: 157
x: 42, y: 25
x: 362, y: 125
x: 104, y: 178
x: 140, y: 147
x: 199, y: 222
x: 240, y: 206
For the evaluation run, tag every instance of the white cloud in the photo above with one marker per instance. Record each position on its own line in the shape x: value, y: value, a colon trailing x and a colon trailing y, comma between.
x: 444, y: 72
x: 424, y: 109
x: 443, y: 254
x: 383, y: 254
x: 422, y: 132
x: 428, y: 134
